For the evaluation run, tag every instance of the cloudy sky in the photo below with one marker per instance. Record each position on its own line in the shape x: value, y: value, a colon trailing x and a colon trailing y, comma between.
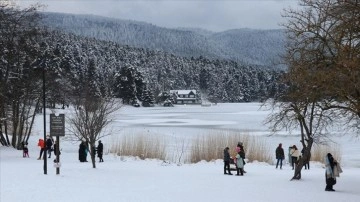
x: 214, y: 15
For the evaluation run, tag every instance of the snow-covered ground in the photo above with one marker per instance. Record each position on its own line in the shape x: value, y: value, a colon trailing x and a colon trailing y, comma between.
x: 131, y: 179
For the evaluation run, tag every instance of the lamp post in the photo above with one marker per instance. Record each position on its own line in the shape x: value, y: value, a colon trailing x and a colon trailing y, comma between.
x: 44, y: 113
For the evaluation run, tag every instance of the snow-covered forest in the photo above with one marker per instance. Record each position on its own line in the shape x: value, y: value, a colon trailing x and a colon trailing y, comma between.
x: 261, y: 47
x: 157, y: 71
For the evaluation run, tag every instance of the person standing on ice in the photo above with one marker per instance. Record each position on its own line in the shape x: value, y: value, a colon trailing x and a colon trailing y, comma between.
x: 227, y: 160
x: 280, y: 155
x: 295, y: 154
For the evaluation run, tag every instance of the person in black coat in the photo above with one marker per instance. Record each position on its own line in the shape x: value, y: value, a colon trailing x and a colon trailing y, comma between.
x: 242, y: 154
x: 100, y: 149
x: 307, y: 160
x: 56, y: 150
x: 280, y: 155
x: 330, y: 178
x: 82, y: 152
x: 49, y: 144
x: 227, y: 160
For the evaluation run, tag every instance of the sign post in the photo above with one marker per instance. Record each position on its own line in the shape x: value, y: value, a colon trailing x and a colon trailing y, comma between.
x: 57, y: 128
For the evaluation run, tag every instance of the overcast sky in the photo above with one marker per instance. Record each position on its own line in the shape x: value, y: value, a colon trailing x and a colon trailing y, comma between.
x: 214, y: 15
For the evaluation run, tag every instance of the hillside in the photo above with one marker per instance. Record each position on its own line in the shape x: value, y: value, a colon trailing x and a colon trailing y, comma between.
x: 259, y: 47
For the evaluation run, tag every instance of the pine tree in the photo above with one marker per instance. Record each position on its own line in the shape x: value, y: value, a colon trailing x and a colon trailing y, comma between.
x: 148, y: 98
x: 125, y: 85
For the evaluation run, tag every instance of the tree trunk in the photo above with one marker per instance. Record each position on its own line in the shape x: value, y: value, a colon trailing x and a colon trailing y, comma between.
x: 306, y: 156
x: 27, y: 135
x: 93, y: 152
x: 15, y: 122
x: 6, y: 134
x: 2, y: 139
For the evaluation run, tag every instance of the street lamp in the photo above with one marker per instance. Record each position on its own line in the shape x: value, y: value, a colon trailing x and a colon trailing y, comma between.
x: 44, y: 113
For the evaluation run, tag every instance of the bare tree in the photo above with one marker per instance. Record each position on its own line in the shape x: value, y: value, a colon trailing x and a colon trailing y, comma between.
x: 90, y: 119
x: 18, y: 30
x: 306, y: 116
x: 324, y: 45
x: 322, y: 54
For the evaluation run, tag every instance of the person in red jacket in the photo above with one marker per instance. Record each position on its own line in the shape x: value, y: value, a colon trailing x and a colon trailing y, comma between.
x: 41, y: 144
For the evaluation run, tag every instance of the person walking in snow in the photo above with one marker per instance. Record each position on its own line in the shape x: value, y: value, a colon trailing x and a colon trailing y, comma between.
x: 227, y: 160
x: 41, y: 144
x: 295, y: 154
x: 100, y: 150
x: 332, y: 170
x: 280, y: 155
x: 49, y: 145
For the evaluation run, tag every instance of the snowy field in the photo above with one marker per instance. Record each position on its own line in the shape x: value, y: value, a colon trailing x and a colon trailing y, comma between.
x: 131, y: 179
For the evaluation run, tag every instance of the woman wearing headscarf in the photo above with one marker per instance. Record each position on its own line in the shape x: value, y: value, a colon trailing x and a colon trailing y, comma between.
x: 295, y: 154
x: 332, y: 170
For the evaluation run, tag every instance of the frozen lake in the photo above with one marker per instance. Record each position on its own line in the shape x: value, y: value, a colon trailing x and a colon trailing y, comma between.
x: 246, y: 117
x: 193, y: 120
x: 189, y: 121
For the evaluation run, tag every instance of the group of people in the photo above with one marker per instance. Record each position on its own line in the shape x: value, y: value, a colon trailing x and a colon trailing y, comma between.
x: 84, y: 150
x: 294, y: 154
x: 239, y: 160
x: 332, y: 167
x: 49, y: 146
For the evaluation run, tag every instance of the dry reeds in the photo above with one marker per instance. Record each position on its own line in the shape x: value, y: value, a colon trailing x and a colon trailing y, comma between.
x: 210, y: 146
x: 319, y: 152
x: 140, y: 145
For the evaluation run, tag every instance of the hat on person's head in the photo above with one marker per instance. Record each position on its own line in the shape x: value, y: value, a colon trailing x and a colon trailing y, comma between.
x: 240, y: 143
x: 226, y: 148
x: 280, y: 144
x: 99, y: 140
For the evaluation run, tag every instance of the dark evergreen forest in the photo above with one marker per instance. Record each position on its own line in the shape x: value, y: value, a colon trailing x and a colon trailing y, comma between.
x: 110, y: 69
